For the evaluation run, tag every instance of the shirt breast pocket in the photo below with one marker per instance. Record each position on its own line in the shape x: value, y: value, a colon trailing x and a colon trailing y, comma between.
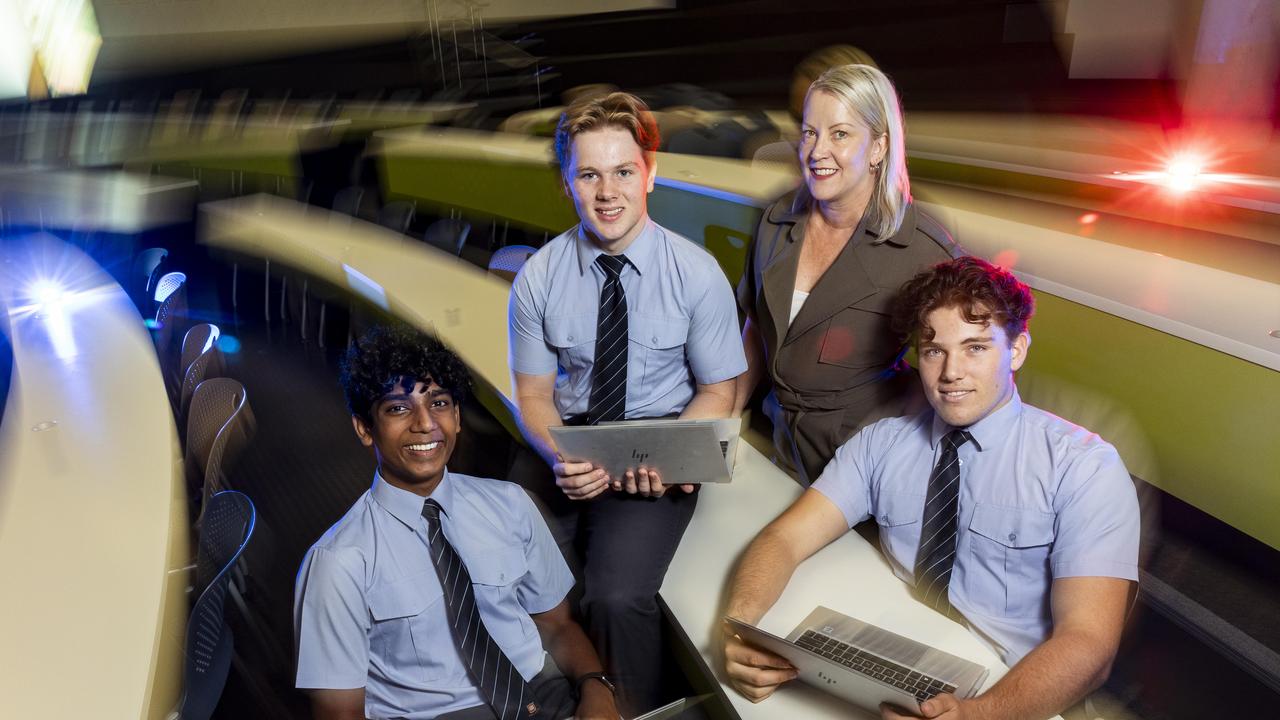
x: 661, y: 341
x: 574, y: 339
x: 409, y: 623
x: 1010, y: 547
x: 898, y: 515
x: 495, y: 577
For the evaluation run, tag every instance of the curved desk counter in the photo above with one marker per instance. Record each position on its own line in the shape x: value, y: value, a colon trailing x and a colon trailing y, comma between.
x: 426, y: 287
x: 93, y: 506
x: 1155, y: 335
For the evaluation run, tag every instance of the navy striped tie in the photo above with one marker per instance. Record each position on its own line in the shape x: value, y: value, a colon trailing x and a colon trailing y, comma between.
x: 608, y: 399
x: 937, y: 552
x: 500, y: 683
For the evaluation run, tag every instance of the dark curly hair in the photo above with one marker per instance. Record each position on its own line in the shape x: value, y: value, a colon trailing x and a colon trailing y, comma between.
x: 983, y: 292
x: 390, y: 356
x: 619, y: 110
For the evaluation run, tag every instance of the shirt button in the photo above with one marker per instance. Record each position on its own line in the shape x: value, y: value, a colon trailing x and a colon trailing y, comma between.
x: 570, y: 337
x: 655, y: 339
x: 1013, y: 537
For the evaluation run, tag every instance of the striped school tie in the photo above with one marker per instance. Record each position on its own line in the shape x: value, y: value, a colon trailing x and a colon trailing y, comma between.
x: 937, y: 552
x: 502, y: 686
x: 608, y: 399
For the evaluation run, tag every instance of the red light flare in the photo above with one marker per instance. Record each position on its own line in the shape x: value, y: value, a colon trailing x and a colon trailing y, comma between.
x: 1006, y: 259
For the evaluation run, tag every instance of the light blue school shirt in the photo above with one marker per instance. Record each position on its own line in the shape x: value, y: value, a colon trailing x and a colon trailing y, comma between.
x: 682, y: 320
x: 368, y: 607
x: 1040, y: 498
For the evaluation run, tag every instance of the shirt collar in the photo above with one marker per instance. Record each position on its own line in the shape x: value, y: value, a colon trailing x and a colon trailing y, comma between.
x: 987, y: 432
x: 407, y: 506
x: 640, y: 253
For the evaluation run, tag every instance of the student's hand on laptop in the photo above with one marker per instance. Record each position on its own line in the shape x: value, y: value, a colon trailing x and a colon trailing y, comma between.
x: 579, y: 480
x: 944, y: 707
x: 754, y: 672
x: 645, y: 481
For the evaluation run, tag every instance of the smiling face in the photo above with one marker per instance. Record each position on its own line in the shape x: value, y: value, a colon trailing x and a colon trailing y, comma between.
x: 967, y: 368
x: 412, y: 434
x: 609, y: 181
x: 837, y: 151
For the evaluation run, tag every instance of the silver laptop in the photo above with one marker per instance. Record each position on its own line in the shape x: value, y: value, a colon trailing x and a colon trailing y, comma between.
x: 867, y: 665
x: 683, y: 451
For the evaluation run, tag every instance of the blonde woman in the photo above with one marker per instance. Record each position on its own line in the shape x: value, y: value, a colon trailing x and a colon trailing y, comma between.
x: 824, y: 266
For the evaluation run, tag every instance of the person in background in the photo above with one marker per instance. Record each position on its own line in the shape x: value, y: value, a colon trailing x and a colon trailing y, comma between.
x: 1018, y: 522
x: 825, y: 263
x: 619, y: 318
x: 436, y: 594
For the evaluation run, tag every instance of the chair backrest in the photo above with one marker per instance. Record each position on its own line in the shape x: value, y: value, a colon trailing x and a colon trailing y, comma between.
x: 448, y: 234
x: 198, y: 339
x: 213, y: 405
x: 168, y: 284
x: 170, y: 319
x: 778, y: 153
x: 396, y: 215
x: 347, y: 200
x: 507, y: 261
x: 229, y: 521
x: 208, y: 364
x: 144, y: 272
x: 225, y: 452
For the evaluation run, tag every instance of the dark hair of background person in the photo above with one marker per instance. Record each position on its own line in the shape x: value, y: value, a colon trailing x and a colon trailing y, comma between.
x: 390, y: 356
x: 618, y: 109
x: 983, y: 292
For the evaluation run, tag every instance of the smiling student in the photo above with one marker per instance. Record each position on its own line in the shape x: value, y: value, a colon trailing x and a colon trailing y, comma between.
x: 434, y: 596
x: 1015, y: 520
x: 619, y: 318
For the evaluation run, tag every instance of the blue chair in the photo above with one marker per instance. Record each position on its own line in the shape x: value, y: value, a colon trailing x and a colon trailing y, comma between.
x: 448, y: 234
x: 397, y: 215
x: 169, y: 323
x: 228, y: 525
x: 507, y: 261
x: 144, y: 277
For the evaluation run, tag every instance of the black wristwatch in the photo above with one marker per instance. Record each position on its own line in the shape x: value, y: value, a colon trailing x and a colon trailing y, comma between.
x: 613, y: 689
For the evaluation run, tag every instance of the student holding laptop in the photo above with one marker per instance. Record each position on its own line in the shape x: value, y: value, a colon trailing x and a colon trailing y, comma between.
x: 1018, y: 522
x: 619, y: 318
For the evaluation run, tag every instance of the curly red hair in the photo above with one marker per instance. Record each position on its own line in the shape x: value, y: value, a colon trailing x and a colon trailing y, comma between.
x: 983, y: 292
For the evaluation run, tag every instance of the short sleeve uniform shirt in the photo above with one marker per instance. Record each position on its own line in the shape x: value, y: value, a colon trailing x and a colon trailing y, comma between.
x: 369, y: 611
x: 1040, y: 499
x: 682, y: 320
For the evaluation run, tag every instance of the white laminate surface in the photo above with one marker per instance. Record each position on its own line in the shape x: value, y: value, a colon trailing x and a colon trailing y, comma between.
x: 93, y: 517
x: 848, y: 575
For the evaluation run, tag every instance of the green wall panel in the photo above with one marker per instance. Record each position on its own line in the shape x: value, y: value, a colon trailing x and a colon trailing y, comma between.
x: 1201, y: 425
x: 528, y: 195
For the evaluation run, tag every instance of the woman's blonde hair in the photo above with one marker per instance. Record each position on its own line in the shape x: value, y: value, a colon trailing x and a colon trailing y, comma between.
x: 870, y: 94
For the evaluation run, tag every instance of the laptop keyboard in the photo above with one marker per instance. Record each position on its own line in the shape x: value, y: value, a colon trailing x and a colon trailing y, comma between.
x: 874, y: 666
